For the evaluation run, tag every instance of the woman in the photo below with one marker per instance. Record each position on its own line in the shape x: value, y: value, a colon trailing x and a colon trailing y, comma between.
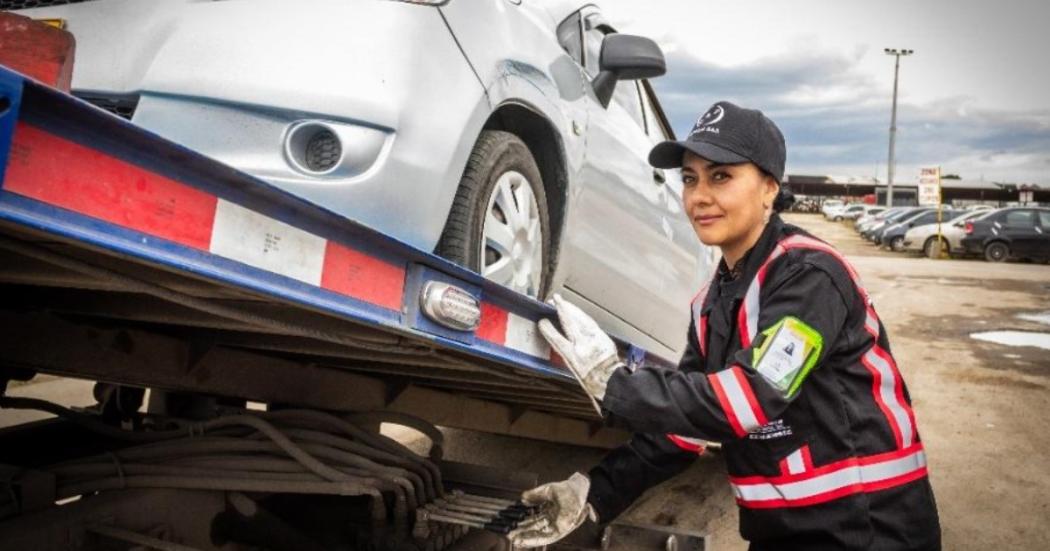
x: 787, y: 365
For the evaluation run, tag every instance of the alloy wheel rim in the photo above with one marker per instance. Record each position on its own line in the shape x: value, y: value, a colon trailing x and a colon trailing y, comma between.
x: 512, y: 240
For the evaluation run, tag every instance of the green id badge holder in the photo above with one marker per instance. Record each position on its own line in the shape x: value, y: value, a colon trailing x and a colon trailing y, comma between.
x: 787, y: 354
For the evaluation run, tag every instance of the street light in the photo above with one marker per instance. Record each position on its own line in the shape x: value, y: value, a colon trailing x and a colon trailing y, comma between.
x: 893, y: 120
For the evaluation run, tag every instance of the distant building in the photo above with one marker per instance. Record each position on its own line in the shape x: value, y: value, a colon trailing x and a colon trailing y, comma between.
x: 961, y: 192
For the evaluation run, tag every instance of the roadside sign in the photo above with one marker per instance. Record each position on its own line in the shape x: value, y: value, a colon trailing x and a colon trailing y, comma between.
x: 930, y: 186
x: 1027, y: 196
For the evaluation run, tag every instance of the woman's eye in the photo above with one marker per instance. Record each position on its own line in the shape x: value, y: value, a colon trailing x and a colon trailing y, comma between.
x: 720, y: 176
x: 688, y: 180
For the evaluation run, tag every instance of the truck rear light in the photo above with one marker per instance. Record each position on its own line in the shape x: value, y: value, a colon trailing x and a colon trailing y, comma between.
x: 450, y: 306
x: 36, y: 49
x: 968, y: 228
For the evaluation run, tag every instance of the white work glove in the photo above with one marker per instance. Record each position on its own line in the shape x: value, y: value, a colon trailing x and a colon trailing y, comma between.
x: 562, y: 508
x: 588, y: 351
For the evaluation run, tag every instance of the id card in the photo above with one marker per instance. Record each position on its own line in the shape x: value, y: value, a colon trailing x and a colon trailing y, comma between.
x: 788, y: 353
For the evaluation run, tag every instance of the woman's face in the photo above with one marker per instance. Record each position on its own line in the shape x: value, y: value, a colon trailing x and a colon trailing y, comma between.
x: 727, y: 204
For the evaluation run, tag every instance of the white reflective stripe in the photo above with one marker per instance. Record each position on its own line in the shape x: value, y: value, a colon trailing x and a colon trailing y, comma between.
x: 262, y: 242
x: 871, y: 324
x: 900, y: 466
x: 887, y: 391
x: 752, y: 307
x: 766, y: 491
x: 738, y: 400
x: 751, y: 303
x: 524, y: 335
x: 849, y: 475
x: 795, y: 463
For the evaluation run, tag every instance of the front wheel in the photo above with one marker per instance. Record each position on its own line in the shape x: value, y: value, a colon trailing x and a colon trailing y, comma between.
x: 996, y: 252
x: 897, y: 243
x: 499, y: 223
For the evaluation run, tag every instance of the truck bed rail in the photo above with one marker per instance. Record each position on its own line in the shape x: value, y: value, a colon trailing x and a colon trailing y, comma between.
x: 152, y: 265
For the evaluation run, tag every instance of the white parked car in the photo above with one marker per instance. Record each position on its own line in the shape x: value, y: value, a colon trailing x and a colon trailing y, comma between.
x: 923, y: 238
x: 829, y: 206
x: 854, y: 211
x: 511, y: 137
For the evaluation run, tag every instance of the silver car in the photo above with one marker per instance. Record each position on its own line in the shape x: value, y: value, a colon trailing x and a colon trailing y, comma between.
x: 508, y: 136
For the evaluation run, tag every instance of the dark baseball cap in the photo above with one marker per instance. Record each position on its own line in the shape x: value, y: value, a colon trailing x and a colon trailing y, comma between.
x: 728, y: 134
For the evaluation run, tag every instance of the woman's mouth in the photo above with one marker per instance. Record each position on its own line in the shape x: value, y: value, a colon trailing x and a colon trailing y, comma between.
x: 707, y: 219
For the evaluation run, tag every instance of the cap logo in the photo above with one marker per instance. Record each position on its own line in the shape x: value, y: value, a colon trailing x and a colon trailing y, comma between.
x: 706, y: 121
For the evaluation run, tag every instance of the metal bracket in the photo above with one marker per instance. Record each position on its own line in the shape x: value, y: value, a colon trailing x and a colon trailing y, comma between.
x: 620, y: 536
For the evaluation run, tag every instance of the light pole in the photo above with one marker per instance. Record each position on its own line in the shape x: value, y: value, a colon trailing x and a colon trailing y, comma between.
x: 893, y: 121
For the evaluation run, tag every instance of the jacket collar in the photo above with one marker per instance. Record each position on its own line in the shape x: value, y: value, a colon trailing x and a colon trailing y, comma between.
x: 753, y: 259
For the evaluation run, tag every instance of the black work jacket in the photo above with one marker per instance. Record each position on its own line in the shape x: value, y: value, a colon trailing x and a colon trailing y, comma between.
x: 836, y: 464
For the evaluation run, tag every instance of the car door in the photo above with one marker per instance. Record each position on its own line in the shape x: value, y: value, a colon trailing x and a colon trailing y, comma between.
x: 616, y: 244
x: 1018, y: 227
x: 1043, y: 228
x: 687, y: 263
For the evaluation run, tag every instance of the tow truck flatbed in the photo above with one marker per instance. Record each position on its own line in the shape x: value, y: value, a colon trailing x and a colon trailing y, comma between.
x: 129, y: 259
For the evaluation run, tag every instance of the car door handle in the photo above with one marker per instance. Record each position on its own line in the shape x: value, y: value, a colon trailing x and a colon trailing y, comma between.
x: 658, y: 176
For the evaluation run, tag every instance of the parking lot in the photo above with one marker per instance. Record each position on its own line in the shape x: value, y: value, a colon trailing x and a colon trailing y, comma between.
x: 981, y: 406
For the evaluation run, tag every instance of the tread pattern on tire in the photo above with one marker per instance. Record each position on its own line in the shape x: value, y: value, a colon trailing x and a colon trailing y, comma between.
x: 466, y: 216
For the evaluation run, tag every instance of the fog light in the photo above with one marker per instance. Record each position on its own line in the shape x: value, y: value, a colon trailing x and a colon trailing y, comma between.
x: 313, y: 148
x: 450, y: 306
x: 322, y: 151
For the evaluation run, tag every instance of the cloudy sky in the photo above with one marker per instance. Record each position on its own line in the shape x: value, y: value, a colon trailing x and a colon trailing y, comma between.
x: 974, y: 98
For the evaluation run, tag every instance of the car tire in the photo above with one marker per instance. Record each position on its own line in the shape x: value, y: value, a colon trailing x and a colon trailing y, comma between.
x: 512, y: 245
x: 897, y: 243
x: 929, y: 248
x: 838, y: 219
x: 996, y: 251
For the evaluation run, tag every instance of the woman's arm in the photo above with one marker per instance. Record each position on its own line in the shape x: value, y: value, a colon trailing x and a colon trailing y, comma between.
x: 801, y: 307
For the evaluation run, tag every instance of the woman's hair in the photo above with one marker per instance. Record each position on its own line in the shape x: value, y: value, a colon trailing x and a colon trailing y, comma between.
x: 784, y: 198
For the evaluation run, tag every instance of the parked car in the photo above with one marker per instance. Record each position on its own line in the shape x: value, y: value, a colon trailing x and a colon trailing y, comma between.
x: 868, y: 220
x: 893, y: 236
x: 924, y: 238
x: 846, y: 212
x: 830, y: 205
x: 874, y: 232
x: 510, y: 137
x: 1016, y: 232
x: 863, y: 211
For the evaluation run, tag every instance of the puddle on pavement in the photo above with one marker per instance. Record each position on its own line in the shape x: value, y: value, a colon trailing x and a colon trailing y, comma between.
x: 1041, y: 317
x: 1015, y: 338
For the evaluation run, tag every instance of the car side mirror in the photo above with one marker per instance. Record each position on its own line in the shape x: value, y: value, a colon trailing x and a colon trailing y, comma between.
x: 626, y: 57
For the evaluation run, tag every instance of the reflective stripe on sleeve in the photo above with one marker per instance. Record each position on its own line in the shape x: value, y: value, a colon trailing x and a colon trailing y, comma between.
x: 839, y: 479
x: 885, y: 386
x: 737, y: 400
x: 694, y: 445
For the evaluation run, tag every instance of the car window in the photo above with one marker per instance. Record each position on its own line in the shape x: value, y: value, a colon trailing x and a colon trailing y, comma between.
x: 928, y: 218
x: 593, y: 34
x: 1018, y: 218
x: 1044, y: 219
x: 653, y: 126
x: 626, y: 95
x: 571, y: 38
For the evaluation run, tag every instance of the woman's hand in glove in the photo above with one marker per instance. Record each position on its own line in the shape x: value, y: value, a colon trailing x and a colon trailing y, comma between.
x: 590, y: 353
x: 562, y: 507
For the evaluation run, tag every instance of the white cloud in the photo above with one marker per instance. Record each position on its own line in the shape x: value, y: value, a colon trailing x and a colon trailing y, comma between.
x: 973, y: 98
